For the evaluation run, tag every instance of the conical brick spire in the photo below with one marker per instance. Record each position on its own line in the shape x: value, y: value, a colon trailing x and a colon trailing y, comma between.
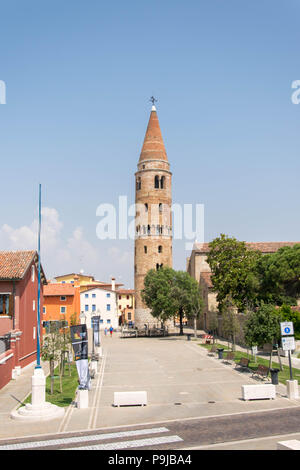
x: 153, y: 146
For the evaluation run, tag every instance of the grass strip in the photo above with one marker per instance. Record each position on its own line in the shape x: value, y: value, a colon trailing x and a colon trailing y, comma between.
x: 283, y: 375
x: 69, y: 386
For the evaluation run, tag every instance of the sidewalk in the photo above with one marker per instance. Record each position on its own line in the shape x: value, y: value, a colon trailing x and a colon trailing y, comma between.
x: 265, y: 355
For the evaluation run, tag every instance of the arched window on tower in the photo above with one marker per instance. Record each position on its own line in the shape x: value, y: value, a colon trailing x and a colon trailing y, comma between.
x: 162, y: 182
x: 138, y: 183
x: 160, y: 248
x: 160, y: 207
x: 148, y: 230
x: 146, y: 207
x: 156, y: 182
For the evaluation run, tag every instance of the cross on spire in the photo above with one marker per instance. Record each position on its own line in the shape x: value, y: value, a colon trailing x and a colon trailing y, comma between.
x: 153, y: 100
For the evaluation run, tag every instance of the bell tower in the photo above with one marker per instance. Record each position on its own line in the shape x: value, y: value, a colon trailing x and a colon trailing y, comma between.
x: 153, y: 221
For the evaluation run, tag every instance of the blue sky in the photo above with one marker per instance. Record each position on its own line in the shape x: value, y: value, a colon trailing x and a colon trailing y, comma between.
x: 79, y: 76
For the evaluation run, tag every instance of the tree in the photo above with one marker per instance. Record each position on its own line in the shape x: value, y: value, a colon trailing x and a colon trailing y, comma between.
x: 279, y: 276
x: 157, y: 293
x: 64, y: 345
x: 169, y: 293
x: 286, y: 313
x: 213, y: 323
x: 51, y: 349
x: 230, y: 322
x: 187, y: 295
x: 233, y: 268
x: 263, y: 327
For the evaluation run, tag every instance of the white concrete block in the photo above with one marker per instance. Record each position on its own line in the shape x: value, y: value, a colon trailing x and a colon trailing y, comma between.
x: 14, y: 374
x: 258, y: 392
x: 82, y: 398
x: 38, y: 387
x: 18, y: 370
x: 130, y: 398
x: 293, y: 444
x: 292, y: 389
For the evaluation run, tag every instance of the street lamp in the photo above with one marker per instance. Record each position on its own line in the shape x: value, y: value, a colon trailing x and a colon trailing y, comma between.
x: 93, y: 334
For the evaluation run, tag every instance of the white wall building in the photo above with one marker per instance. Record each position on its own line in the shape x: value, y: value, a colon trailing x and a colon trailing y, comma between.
x: 99, y: 301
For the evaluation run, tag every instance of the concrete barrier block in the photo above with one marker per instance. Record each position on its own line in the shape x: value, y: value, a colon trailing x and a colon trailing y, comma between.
x: 293, y: 444
x: 82, y: 399
x: 292, y: 389
x: 258, y: 392
x: 130, y: 398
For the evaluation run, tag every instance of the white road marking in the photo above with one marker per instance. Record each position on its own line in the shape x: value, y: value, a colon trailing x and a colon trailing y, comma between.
x: 86, y: 438
x: 129, y: 444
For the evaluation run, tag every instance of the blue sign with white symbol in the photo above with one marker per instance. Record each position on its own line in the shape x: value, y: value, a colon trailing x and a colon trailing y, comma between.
x: 287, y: 328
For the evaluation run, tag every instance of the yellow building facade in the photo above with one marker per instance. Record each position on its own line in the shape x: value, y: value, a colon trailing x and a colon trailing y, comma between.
x: 126, y: 306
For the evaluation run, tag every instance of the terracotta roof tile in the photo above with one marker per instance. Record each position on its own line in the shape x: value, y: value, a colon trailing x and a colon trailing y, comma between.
x: 59, y: 289
x: 14, y: 264
x: 125, y: 291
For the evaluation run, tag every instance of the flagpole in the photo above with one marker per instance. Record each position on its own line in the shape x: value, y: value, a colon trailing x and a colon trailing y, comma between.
x: 38, y: 354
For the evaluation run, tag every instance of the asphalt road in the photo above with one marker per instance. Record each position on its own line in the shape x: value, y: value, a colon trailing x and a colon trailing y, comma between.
x: 171, y: 435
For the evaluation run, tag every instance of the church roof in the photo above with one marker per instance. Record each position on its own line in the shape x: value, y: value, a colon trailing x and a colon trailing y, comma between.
x: 153, y: 146
x: 264, y: 247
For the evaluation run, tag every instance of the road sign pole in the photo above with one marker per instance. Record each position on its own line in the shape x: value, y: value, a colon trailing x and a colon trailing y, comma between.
x: 290, y: 363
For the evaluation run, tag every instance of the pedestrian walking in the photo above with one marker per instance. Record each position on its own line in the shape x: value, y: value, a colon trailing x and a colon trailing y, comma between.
x: 111, y: 331
x: 105, y: 331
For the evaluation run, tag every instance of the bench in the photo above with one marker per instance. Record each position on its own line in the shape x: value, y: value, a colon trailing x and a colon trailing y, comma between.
x: 128, y: 333
x: 229, y: 357
x: 258, y: 392
x: 130, y: 398
x: 243, y: 363
x: 212, y: 350
x: 261, y: 371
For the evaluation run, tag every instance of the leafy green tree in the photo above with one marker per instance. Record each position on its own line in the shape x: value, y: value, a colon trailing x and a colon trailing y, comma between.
x: 187, y: 296
x: 213, y: 323
x: 230, y: 322
x: 51, y: 349
x: 279, y: 276
x: 287, y: 314
x: 65, y: 344
x: 157, y: 293
x: 233, y: 268
x: 263, y: 327
x: 169, y: 293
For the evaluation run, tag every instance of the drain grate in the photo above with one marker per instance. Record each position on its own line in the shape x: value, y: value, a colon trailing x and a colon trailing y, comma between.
x: 177, y: 403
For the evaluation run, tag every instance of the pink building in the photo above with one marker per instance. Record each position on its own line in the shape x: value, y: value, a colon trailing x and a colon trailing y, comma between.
x: 18, y: 310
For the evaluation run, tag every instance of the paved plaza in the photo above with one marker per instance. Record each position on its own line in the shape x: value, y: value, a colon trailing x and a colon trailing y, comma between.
x: 182, y: 382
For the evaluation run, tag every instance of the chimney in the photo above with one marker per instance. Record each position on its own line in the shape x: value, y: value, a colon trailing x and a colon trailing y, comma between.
x: 113, y: 283
x: 76, y: 281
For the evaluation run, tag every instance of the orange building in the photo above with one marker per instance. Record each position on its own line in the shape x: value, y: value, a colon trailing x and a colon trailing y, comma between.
x: 61, y: 303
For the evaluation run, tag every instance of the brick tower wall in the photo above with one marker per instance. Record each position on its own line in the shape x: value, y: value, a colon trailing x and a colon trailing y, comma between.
x: 153, y: 223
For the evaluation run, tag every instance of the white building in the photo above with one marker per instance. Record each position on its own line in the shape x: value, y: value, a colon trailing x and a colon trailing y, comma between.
x: 100, y: 301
